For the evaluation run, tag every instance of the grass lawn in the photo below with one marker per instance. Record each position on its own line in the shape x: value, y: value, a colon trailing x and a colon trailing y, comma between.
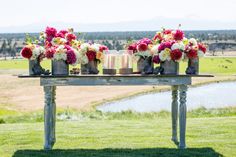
x: 216, y: 65
x: 208, y: 137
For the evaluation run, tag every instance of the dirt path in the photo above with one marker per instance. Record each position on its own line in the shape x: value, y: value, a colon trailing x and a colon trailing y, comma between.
x: 27, y: 94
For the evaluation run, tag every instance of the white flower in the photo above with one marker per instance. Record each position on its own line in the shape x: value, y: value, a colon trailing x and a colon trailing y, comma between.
x: 193, y: 41
x: 178, y: 46
x: 154, y: 49
x: 200, y: 53
x: 84, y: 46
x: 165, y: 55
x: 95, y: 47
x: 60, y: 53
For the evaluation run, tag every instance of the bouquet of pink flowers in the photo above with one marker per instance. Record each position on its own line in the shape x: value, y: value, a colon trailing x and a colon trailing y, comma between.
x: 61, y: 45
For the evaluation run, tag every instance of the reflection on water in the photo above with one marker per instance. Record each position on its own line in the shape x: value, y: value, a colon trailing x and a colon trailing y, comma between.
x: 213, y: 95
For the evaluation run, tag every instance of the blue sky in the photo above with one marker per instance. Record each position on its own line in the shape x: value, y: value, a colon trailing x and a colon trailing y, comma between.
x: 26, y: 12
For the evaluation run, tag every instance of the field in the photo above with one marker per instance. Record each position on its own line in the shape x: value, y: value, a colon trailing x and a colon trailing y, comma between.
x: 82, y: 131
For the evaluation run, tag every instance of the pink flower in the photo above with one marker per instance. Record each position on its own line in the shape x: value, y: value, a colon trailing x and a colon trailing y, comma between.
x: 133, y: 47
x: 178, y: 35
x: 71, y: 57
x: 62, y: 33
x: 192, y: 54
x: 165, y: 45
x: 50, y: 31
x: 144, y: 40
x: 156, y: 59
x: 176, y: 54
x: 50, y: 52
x: 202, y: 47
x: 103, y: 48
x: 142, y: 47
x: 70, y: 37
x: 26, y: 52
x: 91, y: 55
x: 167, y: 31
x: 68, y: 47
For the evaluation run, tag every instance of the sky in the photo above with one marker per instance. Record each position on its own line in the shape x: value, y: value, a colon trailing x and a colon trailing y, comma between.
x: 15, y: 13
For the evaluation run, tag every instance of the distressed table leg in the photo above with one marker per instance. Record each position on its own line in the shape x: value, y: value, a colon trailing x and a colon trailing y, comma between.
x: 49, y: 117
x: 174, y: 113
x: 182, y: 115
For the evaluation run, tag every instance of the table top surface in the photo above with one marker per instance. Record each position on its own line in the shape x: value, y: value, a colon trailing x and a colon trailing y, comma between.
x: 114, y: 76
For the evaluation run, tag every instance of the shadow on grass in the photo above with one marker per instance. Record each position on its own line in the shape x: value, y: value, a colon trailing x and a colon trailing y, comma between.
x: 120, y: 152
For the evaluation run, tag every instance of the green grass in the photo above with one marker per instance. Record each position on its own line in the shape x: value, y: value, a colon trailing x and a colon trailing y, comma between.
x: 216, y: 65
x: 208, y: 137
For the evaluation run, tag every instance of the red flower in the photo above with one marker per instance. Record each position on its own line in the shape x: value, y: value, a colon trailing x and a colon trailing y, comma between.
x: 167, y: 31
x: 158, y: 36
x: 156, y: 59
x: 176, y: 54
x: 50, y: 31
x: 91, y: 55
x: 192, y: 54
x: 49, y: 53
x: 202, y: 47
x: 71, y: 57
x: 133, y: 47
x: 178, y: 35
x: 26, y: 52
x: 142, y: 47
x: 103, y: 48
x: 164, y: 45
x: 70, y: 37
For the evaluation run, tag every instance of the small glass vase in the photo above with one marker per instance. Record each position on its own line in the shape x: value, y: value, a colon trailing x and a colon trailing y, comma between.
x: 193, y: 66
x: 169, y: 67
x: 60, y: 67
x: 90, y: 68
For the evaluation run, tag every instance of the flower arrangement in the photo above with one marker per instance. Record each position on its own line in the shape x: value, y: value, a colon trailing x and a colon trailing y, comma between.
x: 61, y: 45
x: 91, y: 52
x: 194, y: 49
x: 141, y: 48
x: 169, y: 45
x: 33, y: 52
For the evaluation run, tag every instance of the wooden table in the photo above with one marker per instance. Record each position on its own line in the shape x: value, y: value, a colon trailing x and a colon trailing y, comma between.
x: 179, y: 84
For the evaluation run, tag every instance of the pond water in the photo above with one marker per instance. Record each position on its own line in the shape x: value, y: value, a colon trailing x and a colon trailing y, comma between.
x: 215, y: 95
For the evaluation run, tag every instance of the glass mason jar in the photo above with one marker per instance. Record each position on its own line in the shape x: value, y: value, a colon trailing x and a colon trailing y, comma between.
x: 125, y: 62
x: 110, y: 62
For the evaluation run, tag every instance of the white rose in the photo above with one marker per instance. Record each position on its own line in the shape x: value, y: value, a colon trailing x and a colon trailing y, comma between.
x: 95, y: 47
x: 164, y: 55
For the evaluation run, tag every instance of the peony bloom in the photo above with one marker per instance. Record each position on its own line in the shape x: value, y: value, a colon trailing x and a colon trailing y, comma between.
x: 142, y: 47
x: 192, y: 54
x: 51, y: 32
x: 91, y: 55
x: 70, y: 37
x: 26, y: 52
x: 50, y: 53
x: 154, y: 49
x: 178, y: 35
x: 178, y: 46
x: 71, y: 57
x: 165, y: 45
x: 156, y: 59
x: 158, y: 37
x: 144, y: 40
x: 133, y: 47
x: 176, y: 55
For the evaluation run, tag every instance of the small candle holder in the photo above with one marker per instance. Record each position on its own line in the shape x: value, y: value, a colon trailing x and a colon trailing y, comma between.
x: 109, y: 63
x: 125, y: 62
